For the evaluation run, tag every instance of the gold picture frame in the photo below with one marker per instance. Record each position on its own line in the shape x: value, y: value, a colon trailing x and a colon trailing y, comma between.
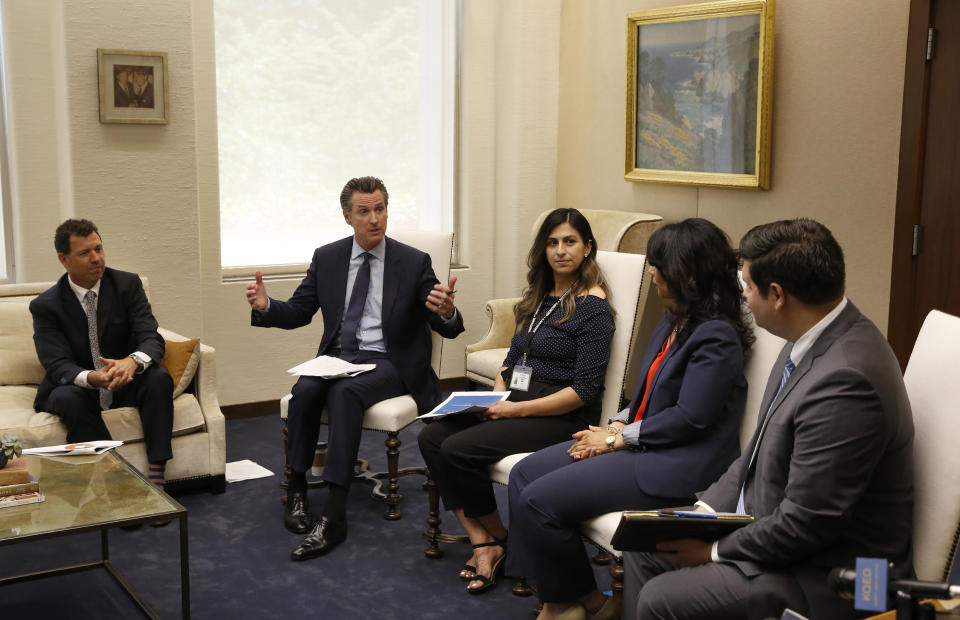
x: 134, y: 87
x: 699, y: 94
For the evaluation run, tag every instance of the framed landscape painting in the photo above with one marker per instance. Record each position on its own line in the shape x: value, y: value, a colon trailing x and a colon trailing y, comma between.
x: 699, y: 89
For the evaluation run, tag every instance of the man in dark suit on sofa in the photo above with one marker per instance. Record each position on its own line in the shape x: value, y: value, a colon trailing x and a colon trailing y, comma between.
x: 377, y: 297
x: 828, y: 474
x: 97, y: 340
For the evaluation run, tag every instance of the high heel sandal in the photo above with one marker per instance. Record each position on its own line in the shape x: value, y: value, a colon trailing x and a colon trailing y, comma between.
x: 489, y: 582
x: 469, y: 567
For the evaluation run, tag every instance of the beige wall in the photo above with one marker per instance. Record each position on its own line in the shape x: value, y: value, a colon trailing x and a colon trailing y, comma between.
x: 137, y: 182
x: 154, y: 190
x: 838, y: 82
x: 542, y: 109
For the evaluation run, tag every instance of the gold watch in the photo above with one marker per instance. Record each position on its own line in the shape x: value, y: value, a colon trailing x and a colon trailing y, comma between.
x: 611, y: 441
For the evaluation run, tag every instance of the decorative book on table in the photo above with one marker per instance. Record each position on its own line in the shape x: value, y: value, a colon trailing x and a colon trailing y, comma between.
x: 20, y: 499
x: 30, y: 486
x: 16, y: 472
x: 642, y: 530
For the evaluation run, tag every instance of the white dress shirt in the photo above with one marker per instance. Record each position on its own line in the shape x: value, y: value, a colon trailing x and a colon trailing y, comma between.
x: 142, y: 358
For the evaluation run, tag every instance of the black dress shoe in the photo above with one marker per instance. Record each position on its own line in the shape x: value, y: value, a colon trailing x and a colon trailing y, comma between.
x: 296, y: 512
x: 324, y: 536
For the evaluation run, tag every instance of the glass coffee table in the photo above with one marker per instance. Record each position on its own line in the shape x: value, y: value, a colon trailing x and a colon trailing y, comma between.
x: 92, y: 493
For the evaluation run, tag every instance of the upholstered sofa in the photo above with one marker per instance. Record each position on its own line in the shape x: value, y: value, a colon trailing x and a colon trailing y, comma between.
x: 199, y: 445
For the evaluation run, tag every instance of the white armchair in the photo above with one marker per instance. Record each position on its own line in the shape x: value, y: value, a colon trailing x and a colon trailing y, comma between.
x: 628, y: 279
x: 933, y: 389
x: 394, y: 414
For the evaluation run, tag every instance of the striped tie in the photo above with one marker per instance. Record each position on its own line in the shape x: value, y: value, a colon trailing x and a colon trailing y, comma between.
x: 788, y: 368
x: 90, y: 308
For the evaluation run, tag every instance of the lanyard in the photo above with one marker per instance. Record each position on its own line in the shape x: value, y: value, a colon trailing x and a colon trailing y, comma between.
x: 534, y: 325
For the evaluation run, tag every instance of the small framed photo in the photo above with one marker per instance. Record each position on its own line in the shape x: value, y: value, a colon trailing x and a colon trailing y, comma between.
x: 699, y: 94
x: 133, y: 87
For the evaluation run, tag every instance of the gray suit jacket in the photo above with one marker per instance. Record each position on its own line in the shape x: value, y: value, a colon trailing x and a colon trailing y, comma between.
x: 833, y: 477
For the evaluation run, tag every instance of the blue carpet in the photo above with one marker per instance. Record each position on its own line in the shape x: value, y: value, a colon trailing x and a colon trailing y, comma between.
x: 239, y: 556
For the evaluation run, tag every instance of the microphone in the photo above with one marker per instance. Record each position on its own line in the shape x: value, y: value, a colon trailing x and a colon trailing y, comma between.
x: 843, y: 582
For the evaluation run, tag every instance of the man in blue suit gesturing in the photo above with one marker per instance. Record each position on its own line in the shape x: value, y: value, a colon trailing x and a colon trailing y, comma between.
x: 378, y: 297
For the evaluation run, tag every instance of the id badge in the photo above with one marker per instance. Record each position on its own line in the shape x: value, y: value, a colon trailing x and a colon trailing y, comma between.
x: 521, y: 378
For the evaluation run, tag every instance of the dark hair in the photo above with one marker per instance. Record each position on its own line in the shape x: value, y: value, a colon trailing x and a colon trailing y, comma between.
x: 800, y: 255
x: 79, y: 228
x: 696, y: 261
x: 364, y: 185
x: 540, y: 275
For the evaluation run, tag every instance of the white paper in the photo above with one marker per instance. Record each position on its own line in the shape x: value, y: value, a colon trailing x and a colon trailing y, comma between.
x: 246, y: 470
x: 461, y: 401
x: 72, y: 449
x: 329, y: 368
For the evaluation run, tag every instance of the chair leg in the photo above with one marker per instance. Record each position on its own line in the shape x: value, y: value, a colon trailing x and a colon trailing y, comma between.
x: 602, y: 558
x: 393, y: 478
x: 432, y: 533
x: 616, y: 574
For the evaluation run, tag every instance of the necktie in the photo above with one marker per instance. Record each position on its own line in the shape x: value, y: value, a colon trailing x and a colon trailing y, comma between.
x: 349, y: 347
x: 788, y: 368
x: 90, y: 308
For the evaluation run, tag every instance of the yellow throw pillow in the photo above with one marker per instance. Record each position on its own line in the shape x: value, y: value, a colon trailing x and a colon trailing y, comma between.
x: 181, y: 359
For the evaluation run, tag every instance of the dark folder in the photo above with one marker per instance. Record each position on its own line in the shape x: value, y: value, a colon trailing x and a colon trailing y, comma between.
x: 642, y: 530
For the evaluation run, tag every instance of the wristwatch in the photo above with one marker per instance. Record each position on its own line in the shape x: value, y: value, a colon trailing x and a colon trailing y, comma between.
x: 140, y: 365
x: 611, y: 441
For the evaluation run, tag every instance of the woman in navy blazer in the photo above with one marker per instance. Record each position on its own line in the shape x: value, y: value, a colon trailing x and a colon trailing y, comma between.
x: 678, y: 434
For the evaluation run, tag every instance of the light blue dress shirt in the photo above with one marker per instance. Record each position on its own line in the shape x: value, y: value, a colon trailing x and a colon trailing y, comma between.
x: 370, y: 330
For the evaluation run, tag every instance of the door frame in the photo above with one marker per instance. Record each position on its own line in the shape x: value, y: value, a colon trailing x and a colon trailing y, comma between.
x: 913, y: 127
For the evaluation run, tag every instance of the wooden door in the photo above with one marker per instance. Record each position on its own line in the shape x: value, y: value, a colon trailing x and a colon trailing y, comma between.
x: 926, y: 261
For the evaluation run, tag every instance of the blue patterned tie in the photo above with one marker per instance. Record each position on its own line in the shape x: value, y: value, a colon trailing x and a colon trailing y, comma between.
x: 788, y: 368
x: 349, y: 346
x: 90, y: 308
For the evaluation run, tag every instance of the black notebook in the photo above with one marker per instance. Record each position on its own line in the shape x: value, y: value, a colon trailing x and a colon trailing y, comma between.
x: 642, y: 530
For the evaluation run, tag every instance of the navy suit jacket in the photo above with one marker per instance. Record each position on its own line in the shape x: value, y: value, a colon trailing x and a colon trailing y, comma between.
x: 690, y: 429
x: 407, y: 280
x: 125, y: 323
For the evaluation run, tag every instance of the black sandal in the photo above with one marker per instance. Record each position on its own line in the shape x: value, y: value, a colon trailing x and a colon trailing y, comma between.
x: 489, y: 582
x: 467, y: 567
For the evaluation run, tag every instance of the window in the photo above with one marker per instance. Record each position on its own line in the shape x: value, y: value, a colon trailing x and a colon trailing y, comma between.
x: 313, y: 92
x: 6, y: 246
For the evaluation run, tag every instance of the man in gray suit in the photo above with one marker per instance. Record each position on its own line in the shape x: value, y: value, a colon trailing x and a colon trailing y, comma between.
x: 828, y: 474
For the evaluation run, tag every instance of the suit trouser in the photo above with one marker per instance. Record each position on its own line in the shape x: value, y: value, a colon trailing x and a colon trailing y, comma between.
x: 550, y: 495
x: 459, y: 448
x: 720, y: 590
x: 151, y: 392
x: 345, y: 400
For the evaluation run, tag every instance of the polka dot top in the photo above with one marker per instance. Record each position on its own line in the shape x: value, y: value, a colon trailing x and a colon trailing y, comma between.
x: 573, y: 353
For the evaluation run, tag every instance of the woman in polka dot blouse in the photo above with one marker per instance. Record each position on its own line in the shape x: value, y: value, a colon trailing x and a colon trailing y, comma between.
x: 678, y: 434
x: 559, y: 354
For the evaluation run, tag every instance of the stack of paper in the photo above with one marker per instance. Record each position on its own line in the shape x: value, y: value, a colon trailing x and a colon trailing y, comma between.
x: 466, y: 402
x: 73, y: 449
x: 328, y: 367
